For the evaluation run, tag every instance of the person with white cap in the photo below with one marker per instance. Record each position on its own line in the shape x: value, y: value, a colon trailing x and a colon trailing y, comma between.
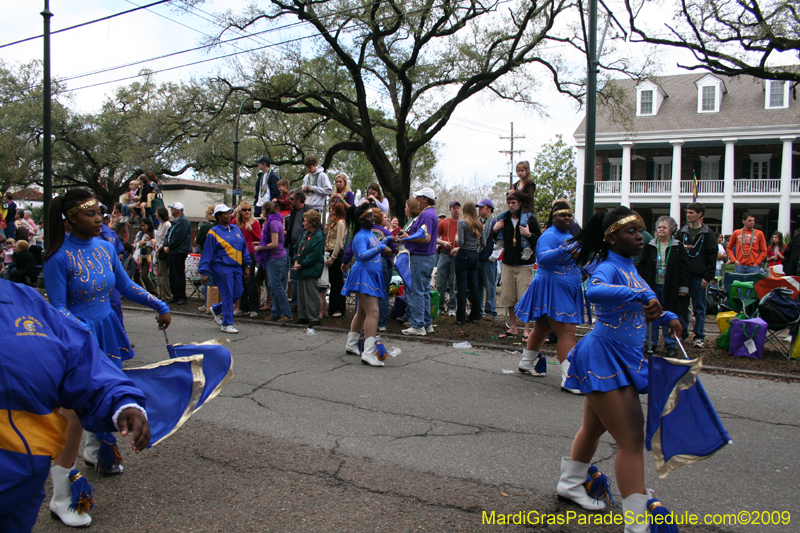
x: 225, y: 255
x: 179, y: 244
x: 421, y: 244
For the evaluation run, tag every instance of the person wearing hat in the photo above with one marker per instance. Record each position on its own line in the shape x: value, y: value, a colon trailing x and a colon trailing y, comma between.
x: 266, y: 185
x: 446, y: 265
x: 487, y: 266
x: 421, y: 245
x: 179, y: 244
x: 225, y: 256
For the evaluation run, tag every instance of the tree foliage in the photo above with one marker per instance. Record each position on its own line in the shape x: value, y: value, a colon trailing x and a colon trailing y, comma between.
x: 728, y: 37
x: 554, y: 174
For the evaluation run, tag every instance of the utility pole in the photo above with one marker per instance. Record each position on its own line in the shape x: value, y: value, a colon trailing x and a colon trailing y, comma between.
x: 511, y: 154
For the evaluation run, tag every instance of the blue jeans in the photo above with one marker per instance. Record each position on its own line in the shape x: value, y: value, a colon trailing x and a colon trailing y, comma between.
x: 383, y: 303
x: 698, y: 297
x: 669, y: 342
x: 741, y: 269
x: 419, y: 298
x: 446, y: 280
x: 276, y: 278
x: 487, y: 282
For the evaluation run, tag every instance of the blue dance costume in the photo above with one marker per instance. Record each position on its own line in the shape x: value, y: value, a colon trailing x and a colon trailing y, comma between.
x: 51, y: 361
x: 612, y: 355
x: 79, y: 278
x: 108, y: 234
x: 366, y: 276
x: 224, y: 253
x: 556, y: 290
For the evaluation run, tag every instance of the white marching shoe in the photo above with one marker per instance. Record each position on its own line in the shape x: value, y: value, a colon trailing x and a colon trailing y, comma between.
x: 533, y: 363
x: 636, y: 505
x: 564, y: 371
x: 92, y: 450
x: 374, y: 353
x: 62, y: 498
x: 351, y: 348
x: 570, y: 485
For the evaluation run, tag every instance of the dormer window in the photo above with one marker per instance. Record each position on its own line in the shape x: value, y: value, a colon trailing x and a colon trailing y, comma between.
x: 709, y: 93
x: 776, y: 94
x: 649, y: 97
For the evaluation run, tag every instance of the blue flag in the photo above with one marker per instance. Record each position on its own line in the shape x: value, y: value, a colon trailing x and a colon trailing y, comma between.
x: 682, y: 425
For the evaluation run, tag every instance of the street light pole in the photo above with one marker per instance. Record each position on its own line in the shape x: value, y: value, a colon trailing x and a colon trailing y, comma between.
x: 237, y: 193
x: 47, y: 156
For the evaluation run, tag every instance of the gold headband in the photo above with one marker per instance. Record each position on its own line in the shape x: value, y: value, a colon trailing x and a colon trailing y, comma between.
x: 85, y: 205
x: 365, y: 213
x: 619, y: 223
x: 563, y: 212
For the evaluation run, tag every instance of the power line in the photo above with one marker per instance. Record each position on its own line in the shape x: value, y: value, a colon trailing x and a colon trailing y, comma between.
x: 88, y: 23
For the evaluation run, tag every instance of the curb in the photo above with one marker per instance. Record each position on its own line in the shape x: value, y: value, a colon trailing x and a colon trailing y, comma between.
x: 488, y: 345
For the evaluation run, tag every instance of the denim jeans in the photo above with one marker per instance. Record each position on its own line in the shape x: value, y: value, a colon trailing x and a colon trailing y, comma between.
x: 741, y: 269
x: 467, y: 278
x: 383, y: 303
x: 419, y: 298
x: 487, y: 283
x: 698, y: 298
x: 276, y: 278
x: 669, y: 342
x: 446, y: 281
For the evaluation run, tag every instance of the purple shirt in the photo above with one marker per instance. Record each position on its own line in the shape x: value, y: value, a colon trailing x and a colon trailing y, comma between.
x: 274, y: 224
x: 430, y: 221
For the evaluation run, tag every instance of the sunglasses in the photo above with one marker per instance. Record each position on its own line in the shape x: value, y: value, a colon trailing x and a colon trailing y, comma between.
x: 243, y: 209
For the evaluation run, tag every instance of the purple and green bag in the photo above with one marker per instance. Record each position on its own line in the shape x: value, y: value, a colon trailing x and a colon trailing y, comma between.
x: 747, y: 337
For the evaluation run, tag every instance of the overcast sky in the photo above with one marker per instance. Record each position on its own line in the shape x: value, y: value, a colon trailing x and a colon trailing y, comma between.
x: 469, y: 146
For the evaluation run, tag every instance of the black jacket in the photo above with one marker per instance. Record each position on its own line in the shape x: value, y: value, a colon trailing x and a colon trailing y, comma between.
x: 791, y: 257
x: 512, y: 254
x: 677, y: 279
x: 180, y: 236
x: 703, y: 257
x: 288, y: 238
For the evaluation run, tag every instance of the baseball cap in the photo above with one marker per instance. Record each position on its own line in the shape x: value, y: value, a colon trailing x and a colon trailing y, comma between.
x: 264, y: 159
x: 177, y: 205
x: 487, y: 203
x: 455, y: 202
x: 222, y: 208
x: 427, y: 192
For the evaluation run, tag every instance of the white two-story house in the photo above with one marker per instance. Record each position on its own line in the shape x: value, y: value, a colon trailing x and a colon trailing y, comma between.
x: 739, y: 136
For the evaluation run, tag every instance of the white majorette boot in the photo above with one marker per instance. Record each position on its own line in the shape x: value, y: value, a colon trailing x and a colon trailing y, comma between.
x: 72, y: 514
x: 374, y: 353
x: 101, y: 452
x: 570, y: 485
x: 533, y: 363
x: 564, y: 371
x: 351, y: 348
x: 636, y: 506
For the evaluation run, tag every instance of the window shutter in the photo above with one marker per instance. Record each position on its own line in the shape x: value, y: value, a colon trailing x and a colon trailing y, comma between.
x: 746, y: 167
x: 697, y: 168
x: 775, y: 169
x: 606, y: 171
x: 650, y: 171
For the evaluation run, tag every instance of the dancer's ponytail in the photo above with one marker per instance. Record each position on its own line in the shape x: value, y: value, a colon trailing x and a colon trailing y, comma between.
x: 591, y: 240
x: 55, y: 217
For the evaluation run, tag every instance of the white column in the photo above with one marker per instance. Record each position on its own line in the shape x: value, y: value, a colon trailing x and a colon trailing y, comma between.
x: 625, y: 186
x: 675, y: 191
x: 580, y: 161
x: 785, y: 205
x: 727, y: 185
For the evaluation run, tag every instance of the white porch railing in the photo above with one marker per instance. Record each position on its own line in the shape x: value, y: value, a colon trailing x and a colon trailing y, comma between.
x: 703, y: 186
x: 756, y: 186
x: 795, y: 186
x: 607, y: 187
x: 651, y: 187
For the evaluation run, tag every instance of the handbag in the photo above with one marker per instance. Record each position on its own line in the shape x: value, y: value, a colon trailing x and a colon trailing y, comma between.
x: 137, y: 256
x: 748, y: 337
x: 162, y: 254
x: 778, y: 307
x: 324, y: 279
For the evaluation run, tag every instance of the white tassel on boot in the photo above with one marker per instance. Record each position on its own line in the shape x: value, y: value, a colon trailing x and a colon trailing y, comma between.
x: 570, y: 485
x: 564, y: 371
x: 634, y: 512
x: 369, y: 357
x: 527, y: 364
x: 352, y: 344
x: 62, y: 499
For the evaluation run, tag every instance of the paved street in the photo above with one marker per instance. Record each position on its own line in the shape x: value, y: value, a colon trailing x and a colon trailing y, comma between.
x: 306, y: 438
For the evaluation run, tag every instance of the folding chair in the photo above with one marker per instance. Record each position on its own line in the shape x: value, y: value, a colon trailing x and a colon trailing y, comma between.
x: 742, y: 298
x: 192, y: 276
x: 776, y: 332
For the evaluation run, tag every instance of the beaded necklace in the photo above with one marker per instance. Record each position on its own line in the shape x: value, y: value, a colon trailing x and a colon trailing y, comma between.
x: 752, y: 242
x: 697, y: 247
x: 662, y: 272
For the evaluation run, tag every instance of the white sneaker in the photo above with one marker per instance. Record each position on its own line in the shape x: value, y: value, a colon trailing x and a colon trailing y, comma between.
x: 698, y: 343
x: 414, y: 331
x: 381, y: 328
x: 253, y: 314
x: 238, y: 312
x: 202, y: 309
x: 217, y: 318
x: 429, y: 329
x: 229, y: 329
x: 451, y: 313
